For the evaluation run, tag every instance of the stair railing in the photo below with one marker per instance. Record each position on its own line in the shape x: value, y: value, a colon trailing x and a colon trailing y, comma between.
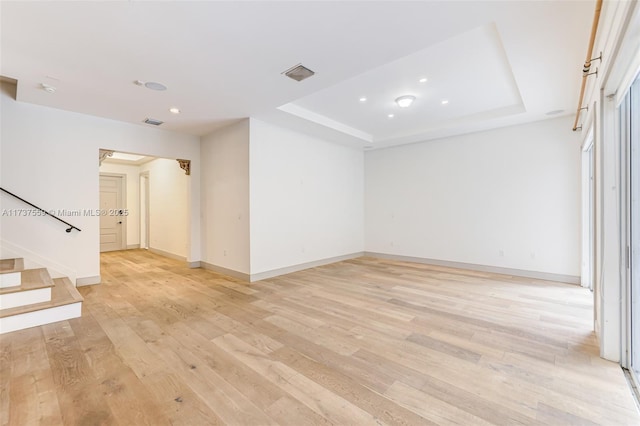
x: 46, y: 213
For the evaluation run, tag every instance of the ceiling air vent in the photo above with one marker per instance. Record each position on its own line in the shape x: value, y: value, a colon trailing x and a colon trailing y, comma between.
x: 298, y: 72
x: 153, y: 121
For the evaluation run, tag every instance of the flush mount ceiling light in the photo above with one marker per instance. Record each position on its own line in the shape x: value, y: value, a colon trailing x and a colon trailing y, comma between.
x: 390, y: 115
x: 363, y: 99
x: 445, y: 101
x: 423, y: 80
x: 174, y: 110
x: 405, y: 101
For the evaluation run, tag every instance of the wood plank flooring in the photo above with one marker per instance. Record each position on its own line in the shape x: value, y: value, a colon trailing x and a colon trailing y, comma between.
x: 359, y: 342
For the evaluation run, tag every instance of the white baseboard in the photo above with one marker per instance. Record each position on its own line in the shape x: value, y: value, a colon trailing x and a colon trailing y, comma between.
x: 224, y: 271
x: 133, y: 246
x: 81, y: 282
x: 33, y: 260
x: 194, y: 265
x: 295, y: 268
x: 570, y: 279
x: 167, y: 254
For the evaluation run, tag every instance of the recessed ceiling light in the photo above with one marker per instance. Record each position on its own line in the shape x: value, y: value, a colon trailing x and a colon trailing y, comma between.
x: 155, y: 86
x: 405, y: 101
x: 363, y: 99
x: 390, y: 115
x: 174, y: 110
x: 423, y: 80
x: 445, y: 101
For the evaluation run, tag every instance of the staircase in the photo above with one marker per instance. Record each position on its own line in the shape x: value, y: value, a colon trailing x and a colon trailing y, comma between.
x: 29, y: 298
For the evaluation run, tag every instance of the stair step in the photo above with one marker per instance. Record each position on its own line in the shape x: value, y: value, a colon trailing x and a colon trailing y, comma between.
x: 35, y: 288
x: 11, y: 265
x: 10, y: 272
x: 31, y: 279
x: 65, y: 303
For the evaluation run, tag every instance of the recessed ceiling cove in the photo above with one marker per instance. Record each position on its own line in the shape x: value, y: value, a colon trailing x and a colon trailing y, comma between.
x: 469, y: 79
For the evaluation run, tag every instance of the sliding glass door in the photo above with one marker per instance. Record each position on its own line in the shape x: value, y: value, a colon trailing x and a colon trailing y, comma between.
x: 630, y: 133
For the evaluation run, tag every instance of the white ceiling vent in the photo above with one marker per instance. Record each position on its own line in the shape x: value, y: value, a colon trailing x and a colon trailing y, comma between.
x: 298, y: 72
x: 153, y: 121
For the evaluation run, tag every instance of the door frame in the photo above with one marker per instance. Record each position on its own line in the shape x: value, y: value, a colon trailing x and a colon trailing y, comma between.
x: 144, y: 208
x: 588, y: 211
x: 123, y: 203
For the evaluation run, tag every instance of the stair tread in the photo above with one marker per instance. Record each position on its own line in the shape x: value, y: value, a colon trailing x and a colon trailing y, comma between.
x: 62, y: 293
x: 11, y: 265
x: 32, y: 279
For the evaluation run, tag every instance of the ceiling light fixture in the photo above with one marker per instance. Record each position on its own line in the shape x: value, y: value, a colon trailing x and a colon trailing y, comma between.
x: 445, y: 101
x: 555, y: 112
x: 423, y: 80
x: 405, y: 101
x: 363, y: 99
x: 390, y: 115
x: 174, y: 110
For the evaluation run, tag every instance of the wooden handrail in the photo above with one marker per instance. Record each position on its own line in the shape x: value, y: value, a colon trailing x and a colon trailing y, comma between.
x: 587, y: 62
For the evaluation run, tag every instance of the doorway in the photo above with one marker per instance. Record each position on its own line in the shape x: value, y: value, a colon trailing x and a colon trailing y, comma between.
x: 112, y: 212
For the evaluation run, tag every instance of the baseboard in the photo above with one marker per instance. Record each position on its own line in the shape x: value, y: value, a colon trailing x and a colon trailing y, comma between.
x: 80, y: 282
x: 547, y: 276
x: 34, y: 260
x: 194, y: 265
x: 167, y: 254
x: 225, y: 271
x: 295, y: 268
x: 133, y: 246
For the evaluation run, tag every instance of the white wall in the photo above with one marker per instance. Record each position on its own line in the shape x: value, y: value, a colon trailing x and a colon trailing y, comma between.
x: 306, y: 198
x: 225, y: 197
x: 168, y: 206
x: 132, y: 177
x: 50, y: 157
x: 505, y: 198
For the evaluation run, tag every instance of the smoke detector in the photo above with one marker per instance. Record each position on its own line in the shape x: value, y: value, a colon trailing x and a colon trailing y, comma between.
x: 153, y: 121
x: 298, y: 72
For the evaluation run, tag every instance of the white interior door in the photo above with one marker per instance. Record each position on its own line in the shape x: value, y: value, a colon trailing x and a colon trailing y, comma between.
x: 111, y: 207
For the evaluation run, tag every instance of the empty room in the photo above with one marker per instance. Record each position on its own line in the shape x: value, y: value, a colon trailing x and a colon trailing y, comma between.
x: 320, y: 212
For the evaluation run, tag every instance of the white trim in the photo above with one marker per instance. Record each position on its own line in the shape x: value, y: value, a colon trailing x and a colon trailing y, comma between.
x: 26, y: 297
x: 167, y: 254
x: 194, y: 265
x: 295, y: 268
x: 547, y: 276
x: 133, y: 246
x: 224, y: 271
x: 80, y: 282
x: 40, y: 317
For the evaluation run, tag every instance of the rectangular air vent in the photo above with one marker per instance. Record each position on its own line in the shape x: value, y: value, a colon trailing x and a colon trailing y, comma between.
x: 298, y: 72
x: 153, y: 121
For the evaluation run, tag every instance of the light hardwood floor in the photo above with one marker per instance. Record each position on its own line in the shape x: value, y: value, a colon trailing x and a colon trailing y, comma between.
x: 364, y: 341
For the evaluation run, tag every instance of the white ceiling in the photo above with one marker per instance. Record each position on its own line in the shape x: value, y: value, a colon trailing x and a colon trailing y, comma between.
x: 498, y: 63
